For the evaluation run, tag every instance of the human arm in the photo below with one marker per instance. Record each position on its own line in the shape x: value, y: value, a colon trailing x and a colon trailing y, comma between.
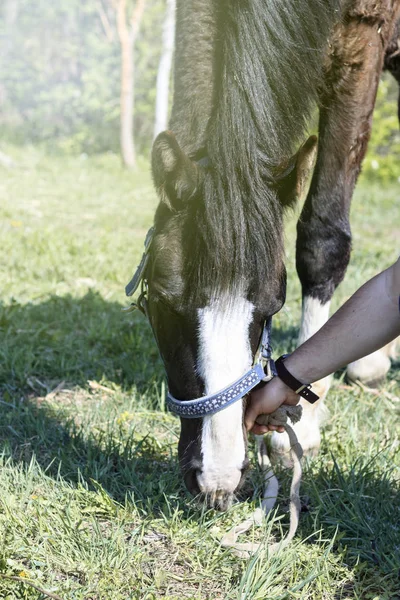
x: 366, y: 322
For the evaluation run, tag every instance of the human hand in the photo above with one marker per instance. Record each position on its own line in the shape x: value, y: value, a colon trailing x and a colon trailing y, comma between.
x: 266, y: 400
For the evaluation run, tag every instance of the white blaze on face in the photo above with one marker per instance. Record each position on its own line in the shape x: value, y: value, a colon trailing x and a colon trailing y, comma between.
x: 224, y: 355
x: 314, y: 316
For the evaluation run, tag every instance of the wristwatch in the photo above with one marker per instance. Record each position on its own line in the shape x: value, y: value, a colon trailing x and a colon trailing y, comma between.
x: 303, y: 389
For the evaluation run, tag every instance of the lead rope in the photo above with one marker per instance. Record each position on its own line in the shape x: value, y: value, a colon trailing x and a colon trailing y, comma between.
x: 279, y: 418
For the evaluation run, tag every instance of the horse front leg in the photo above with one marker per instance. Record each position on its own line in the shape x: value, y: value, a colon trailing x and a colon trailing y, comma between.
x: 354, y: 64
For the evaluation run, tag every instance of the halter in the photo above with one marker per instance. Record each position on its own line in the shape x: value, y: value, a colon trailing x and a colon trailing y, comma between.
x: 213, y: 403
x: 263, y: 368
x: 139, y: 279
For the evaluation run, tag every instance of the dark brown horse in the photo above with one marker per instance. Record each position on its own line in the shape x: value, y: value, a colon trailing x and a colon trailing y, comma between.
x: 248, y: 74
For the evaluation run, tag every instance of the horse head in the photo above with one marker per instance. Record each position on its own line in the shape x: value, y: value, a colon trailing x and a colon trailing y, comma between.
x: 212, y: 283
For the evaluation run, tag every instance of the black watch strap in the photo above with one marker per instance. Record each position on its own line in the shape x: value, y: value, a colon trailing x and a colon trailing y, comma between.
x: 300, y: 388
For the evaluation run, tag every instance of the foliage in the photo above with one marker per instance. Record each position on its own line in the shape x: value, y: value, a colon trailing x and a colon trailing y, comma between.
x: 383, y: 158
x: 60, y: 65
x: 92, y: 503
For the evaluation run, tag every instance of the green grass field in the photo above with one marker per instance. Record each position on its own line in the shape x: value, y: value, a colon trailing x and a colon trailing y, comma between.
x: 91, y: 500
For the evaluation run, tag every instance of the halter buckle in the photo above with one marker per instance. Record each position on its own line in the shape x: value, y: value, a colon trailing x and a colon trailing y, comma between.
x: 137, y: 278
x: 141, y: 303
x: 131, y: 308
x: 269, y: 370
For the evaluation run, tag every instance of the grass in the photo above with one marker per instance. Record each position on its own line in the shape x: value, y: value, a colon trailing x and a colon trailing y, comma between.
x: 91, y: 500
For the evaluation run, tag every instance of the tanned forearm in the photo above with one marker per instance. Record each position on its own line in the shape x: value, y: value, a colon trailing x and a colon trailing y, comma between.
x: 367, y: 321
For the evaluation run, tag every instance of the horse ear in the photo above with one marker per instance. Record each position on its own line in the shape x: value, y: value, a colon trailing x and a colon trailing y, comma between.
x: 295, y: 176
x: 175, y: 175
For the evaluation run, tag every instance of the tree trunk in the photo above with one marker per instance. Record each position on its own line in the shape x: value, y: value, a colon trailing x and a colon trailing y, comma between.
x: 9, y: 11
x: 164, y: 69
x: 127, y: 36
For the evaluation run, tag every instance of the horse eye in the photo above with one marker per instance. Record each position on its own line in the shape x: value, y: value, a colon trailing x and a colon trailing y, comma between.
x: 167, y: 300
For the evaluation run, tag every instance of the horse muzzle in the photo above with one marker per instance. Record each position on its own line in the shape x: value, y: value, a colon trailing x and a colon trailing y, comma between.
x: 216, y: 491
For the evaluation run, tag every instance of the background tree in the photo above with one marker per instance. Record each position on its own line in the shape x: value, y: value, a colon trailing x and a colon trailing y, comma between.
x: 164, y: 69
x: 128, y: 28
x: 60, y: 77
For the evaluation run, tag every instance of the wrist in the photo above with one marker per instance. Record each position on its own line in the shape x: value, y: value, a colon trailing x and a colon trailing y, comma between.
x: 302, y: 388
x: 285, y: 391
x: 298, y: 369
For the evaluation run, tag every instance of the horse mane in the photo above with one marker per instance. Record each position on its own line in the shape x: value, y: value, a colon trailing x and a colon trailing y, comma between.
x: 267, y: 71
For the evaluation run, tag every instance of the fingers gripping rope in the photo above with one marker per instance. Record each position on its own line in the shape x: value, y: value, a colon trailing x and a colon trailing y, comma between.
x: 279, y: 418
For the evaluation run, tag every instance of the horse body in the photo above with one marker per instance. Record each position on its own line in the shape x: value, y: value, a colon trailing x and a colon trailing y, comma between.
x: 246, y: 76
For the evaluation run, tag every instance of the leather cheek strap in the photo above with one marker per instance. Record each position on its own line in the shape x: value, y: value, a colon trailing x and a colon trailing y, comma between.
x: 297, y: 386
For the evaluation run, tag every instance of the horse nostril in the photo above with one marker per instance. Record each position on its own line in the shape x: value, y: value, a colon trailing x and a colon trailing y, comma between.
x: 191, y: 481
x: 245, y: 466
x: 197, y: 475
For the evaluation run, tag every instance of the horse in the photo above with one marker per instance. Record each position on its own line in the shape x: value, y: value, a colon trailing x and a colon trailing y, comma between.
x: 247, y: 77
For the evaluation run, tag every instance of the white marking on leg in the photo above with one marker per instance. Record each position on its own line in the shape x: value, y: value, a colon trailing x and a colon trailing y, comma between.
x: 224, y: 355
x: 314, y: 316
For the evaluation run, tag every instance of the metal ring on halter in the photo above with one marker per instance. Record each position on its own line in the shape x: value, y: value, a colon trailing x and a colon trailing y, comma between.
x: 139, y: 278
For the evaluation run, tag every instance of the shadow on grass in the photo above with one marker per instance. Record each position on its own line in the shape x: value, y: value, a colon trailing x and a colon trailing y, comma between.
x: 122, y: 462
x: 79, y: 339
x: 65, y: 339
x: 359, y: 502
x: 73, y: 340
x: 284, y: 340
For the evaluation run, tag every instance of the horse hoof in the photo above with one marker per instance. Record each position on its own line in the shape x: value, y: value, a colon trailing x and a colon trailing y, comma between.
x: 372, y: 369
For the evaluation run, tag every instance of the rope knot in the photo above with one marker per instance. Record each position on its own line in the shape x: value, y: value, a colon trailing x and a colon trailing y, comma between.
x: 281, y: 415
